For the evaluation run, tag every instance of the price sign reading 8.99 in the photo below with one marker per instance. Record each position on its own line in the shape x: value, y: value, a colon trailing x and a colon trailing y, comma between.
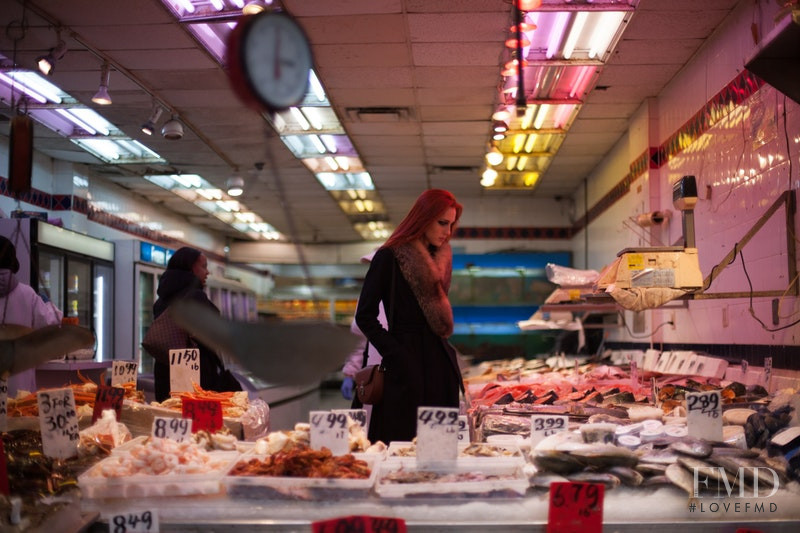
x: 704, y: 415
x: 329, y: 430
x: 184, y: 369
x: 437, y: 434
x: 133, y: 522
x: 177, y: 429
x: 545, y: 425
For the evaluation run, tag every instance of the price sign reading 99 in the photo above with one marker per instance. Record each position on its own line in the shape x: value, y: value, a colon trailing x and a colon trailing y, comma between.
x: 177, y: 429
x: 545, y: 425
x: 437, y: 434
x: 329, y: 430
x: 58, y: 422
x: 575, y: 507
x: 184, y: 369
x: 204, y: 414
x: 704, y: 415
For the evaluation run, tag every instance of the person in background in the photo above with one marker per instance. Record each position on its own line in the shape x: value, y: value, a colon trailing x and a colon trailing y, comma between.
x: 185, y: 277
x: 410, y: 274
x: 355, y: 361
x: 21, y: 306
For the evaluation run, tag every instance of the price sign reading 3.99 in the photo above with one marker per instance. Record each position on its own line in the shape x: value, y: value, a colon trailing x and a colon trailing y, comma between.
x: 184, y: 369
x: 58, y: 422
x: 704, y: 415
x: 123, y: 372
x: 177, y: 429
x: 133, y: 522
x: 329, y: 430
x: 575, y: 507
x: 437, y: 434
x: 204, y: 414
x: 545, y: 425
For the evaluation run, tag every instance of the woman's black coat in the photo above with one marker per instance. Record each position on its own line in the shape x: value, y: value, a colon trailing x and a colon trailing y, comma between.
x: 421, y: 367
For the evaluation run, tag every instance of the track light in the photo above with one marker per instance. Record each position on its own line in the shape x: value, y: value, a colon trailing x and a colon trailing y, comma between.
x: 172, y: 129
x: 47, y: 62
x: 150, y: 126
x: 255, y: 6
x: 235, y: 186
x: 102, y: 97
x: 500, y: 126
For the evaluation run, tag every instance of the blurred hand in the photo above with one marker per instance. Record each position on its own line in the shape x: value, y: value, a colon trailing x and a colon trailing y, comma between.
x: 347, y: 388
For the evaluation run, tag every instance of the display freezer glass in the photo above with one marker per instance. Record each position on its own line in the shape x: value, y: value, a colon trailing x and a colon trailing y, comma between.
x: 146, y: 286
x: 103, y: 311
x: 79, y: 291
x: 51, y: 274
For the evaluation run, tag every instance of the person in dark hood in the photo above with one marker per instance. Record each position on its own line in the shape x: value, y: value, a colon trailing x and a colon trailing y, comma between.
x: 185, y: 277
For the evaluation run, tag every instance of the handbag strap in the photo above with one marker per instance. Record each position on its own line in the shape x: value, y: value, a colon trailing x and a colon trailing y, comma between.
x: 389, y: 316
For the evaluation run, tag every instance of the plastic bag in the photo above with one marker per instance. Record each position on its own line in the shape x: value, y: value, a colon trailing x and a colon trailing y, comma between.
x: 570, y: 277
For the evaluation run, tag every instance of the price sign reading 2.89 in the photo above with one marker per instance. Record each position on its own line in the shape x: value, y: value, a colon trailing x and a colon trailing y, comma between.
x: 437, y: 434
x: 704, y: 415
x: 575, y: 507
x: 545, y: 425
x: 133, y: 522
x: 184, y: 369
x: 329, y: 430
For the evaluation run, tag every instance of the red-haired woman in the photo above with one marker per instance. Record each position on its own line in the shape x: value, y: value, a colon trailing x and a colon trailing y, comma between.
x: 411, y: 275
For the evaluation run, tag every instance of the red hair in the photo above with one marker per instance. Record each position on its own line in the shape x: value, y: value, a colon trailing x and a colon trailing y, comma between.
x: 426, y: 210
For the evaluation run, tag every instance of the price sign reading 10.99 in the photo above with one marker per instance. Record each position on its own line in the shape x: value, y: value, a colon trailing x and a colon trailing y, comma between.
x: 704, y: 415
x: 329, y: 430
x: 184, y: 369
x: 123, y: 372
x: 437, y: 434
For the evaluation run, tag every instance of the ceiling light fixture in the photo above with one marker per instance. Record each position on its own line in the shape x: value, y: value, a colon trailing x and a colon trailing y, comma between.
x: 255, y: 6
x: 47, y: 62
x: 102, y: 97
x: 500, y: 126
x: 494, y: 156
x: 150, y: 126
x: 235, y: 186
x: 172, y: 129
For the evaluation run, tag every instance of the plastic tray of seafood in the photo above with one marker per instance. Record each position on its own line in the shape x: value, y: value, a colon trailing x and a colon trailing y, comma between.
x: 158, y: 467
x: 302, y: 474
x: 474, y: 454
x: 459, y: 481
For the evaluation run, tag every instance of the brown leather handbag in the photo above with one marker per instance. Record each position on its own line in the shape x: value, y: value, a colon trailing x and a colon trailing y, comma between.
x: 165, y: 335
x: 369, y: 384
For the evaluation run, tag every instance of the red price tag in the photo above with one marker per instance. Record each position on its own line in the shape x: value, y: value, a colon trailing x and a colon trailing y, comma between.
x: 575, y: 507
x: 4, y: 488
x: 360, y: 524
x: 107, y: 398
x: 205, y: 414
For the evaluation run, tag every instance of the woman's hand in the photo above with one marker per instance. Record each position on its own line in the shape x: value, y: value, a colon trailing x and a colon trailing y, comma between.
x: 348, y: 385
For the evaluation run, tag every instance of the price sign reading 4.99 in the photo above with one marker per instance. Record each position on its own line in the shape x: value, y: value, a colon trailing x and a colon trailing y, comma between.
x: 177, y: 429
x: 123, y: 372
x: 329, y: 430
x: 107, y: 398
x: 575, y: 507
x: 133, y: 522
x: 704, y: 415
x: 184, y: 369
x: 545, y: 425
x: 437, y: 434
x: 204, y: 414
x: 58, y: 422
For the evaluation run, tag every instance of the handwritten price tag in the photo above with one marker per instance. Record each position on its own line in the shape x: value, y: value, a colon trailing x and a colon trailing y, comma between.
x: 4, y: 488
x: 634, y: 374
x: 437, y: 434
x: 58, y: 422
x: 123, y: 372
x: 575, y: 507
x: 133, y: 522
x: 107, y: 398
x: 3, y: 404
x: 204, y: 414
x: 704, y: 415
x: 767, y: 371
x: 177, y: 429
x: 545, y: 425
x: 360, y: 524
x: 184, y: 369
x: 463, y: 430
x: 329, y: 430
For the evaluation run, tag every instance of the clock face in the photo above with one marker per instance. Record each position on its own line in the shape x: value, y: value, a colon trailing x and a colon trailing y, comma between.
x: 275, y: 59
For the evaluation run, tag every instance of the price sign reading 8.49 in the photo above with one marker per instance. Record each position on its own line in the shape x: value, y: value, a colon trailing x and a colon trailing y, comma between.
x: 329, y: 430
x: 437, y: 434
x: 545, y: 425
x: 704, y: 415
x: 184, y: 369
x: 145, y: 521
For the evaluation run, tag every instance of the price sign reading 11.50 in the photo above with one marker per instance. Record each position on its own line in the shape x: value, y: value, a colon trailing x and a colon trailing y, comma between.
x: 437, y: 434
x: 704, y: 415
x: 184, y: 369
x: 329, y: 430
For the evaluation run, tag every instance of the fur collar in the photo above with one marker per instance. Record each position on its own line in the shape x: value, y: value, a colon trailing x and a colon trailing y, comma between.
x: 429, y: 279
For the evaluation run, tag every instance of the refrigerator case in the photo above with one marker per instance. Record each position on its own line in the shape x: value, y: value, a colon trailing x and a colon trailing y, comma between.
x: 74, y: 271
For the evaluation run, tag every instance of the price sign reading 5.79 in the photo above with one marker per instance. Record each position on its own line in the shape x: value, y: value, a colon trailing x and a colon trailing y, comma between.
x: 575, y: 507
x: 437, y: 434
x: 184, y: 369
x: 704, y: 415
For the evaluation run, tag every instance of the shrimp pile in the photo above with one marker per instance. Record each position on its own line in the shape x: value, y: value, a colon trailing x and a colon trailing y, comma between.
x: 157, y: 457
